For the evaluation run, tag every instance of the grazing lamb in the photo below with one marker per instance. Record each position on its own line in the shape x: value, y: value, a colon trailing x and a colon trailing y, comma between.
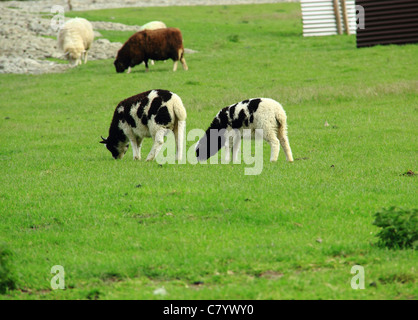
x: 261, y: 113
x: 148, y: 114
x: 153, y: 25
x: 160, y: 44
x: 75, y: 38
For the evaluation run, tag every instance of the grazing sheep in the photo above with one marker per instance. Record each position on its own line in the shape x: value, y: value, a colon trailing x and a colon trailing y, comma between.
x: 160, y: 44
x: 260, y: 113
x: 75, y: 38
x: 153, y: 25
x: 148, y: 114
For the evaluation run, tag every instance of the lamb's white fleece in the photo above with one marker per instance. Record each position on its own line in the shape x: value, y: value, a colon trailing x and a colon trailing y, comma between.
x: 75, y: 38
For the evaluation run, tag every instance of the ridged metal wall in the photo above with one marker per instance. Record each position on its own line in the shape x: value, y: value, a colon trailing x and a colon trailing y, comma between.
x: 319, y: 19
x: 388, y: 22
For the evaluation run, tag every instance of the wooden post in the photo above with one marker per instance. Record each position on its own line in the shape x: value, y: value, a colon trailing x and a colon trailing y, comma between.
x: 337, y: 16
x: 345, y: 17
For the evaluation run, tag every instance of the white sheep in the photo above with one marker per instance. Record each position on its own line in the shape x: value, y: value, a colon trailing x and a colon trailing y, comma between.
x: 260, y: 113
x: 153, y: 25
x: 75, y: 38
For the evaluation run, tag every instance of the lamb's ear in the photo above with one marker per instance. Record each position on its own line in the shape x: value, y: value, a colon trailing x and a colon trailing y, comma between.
x: 103, y: 140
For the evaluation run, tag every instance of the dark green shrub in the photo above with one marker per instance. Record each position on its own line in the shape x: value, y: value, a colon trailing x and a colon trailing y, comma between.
x: 7, y: 280
x: 399, y: 228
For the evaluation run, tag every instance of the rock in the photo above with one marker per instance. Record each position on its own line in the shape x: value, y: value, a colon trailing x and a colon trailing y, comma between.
x: 160, y: 291
x: 28, y: 65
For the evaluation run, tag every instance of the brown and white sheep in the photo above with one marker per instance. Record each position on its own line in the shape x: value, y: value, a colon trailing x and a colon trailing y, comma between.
x: 160, y: 44
x: 75, y: 38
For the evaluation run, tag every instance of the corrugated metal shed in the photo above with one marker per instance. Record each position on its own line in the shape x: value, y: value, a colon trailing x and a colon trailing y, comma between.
x: 388, y: 22
x: 319, y: 17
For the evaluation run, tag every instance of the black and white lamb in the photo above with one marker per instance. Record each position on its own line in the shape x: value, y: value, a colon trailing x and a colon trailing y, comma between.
x: 148, y: 114
x: 260, y: 113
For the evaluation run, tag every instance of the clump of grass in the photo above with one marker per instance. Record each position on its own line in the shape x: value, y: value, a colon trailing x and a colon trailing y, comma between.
x: 399, y: 228
x: 93, y: 294
x: 7, y: 280
x: 233, y: 38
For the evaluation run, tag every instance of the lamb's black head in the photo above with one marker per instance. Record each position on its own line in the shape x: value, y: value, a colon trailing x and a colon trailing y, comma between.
x: 120, y: 65
x: 201, y: 149
x: 210, y: 144
x: 116, y: 148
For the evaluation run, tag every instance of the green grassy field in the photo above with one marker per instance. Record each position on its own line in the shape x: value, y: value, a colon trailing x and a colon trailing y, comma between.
x: 122, y: 229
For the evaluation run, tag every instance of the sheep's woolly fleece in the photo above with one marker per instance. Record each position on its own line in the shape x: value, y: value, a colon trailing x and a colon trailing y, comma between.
x: 26, y: 35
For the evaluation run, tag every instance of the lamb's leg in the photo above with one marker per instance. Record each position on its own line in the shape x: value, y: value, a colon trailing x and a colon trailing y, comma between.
x: 182, y: 60
x: 134, y: 145
x: 274, y: 145
x: 184, y: 64
x: 178, y: 135
x: 85, y: 57
x: 139, y: 145
x: 236, y: 148
x: 227, y: 150
x: 158, y: 143
x: 175, y: 65
x: 284, y: 141
x: 146, y: 65
x: 129, y: 70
